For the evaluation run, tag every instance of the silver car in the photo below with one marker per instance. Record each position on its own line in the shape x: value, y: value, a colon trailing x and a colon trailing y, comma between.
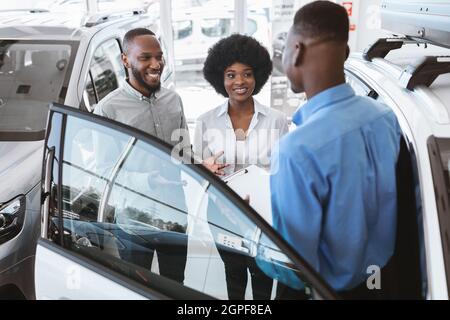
x: 68, y: 59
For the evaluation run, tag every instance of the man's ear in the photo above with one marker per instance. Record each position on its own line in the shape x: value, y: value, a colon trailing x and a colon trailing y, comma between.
x: 125, y: 60
x: 299, y: 53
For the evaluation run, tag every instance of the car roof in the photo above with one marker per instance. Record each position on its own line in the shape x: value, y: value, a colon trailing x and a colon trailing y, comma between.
x: 40, y: 25
x: 410, y: 55
x: 433, y: 100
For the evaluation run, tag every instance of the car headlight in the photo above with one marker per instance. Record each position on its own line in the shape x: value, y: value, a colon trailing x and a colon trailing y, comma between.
x: 12, y: 216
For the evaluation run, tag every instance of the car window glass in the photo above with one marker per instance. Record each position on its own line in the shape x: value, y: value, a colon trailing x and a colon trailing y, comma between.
x: 251, y: 27
x: 106, y: 69
x: 32, y: 74
x: 182, y: 29
x: 441, y: 168
x: 167, y: 75
x: 132, y: 208
x: 216, y: 27
x: 89, y: 99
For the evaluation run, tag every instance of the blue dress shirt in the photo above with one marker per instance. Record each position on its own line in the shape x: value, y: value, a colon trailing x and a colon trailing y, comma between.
x: 333, y: 185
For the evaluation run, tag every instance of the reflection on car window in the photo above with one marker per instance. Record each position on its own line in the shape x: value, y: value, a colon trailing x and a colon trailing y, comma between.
x: 106, y: 69
x: 128, y: 206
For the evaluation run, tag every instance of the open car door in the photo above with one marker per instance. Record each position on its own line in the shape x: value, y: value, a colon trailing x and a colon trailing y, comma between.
x: 122, y: 219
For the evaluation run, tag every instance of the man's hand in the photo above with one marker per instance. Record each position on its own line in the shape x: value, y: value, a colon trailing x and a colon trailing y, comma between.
x: 211, y: 165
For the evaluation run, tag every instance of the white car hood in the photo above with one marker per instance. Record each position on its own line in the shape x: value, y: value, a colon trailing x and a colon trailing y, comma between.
x: 20, y: 167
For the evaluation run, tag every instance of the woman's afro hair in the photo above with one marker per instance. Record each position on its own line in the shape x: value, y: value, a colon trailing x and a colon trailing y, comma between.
x: 237, y: 48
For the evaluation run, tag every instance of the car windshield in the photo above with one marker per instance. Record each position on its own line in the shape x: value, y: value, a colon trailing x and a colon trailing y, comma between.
x: 32, y: 74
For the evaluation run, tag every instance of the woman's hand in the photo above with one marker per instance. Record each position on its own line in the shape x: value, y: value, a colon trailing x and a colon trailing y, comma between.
x: 211, y: 165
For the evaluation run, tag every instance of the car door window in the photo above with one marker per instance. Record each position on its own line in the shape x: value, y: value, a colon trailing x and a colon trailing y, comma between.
x: 439, y: 152
x: 105, y: 73
x: 127, y: 205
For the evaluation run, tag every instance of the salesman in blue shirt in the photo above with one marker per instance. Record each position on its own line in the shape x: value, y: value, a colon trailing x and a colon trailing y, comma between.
x: 333, y: 178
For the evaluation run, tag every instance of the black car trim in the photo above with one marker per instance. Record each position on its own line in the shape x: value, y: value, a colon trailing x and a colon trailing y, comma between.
x: 306, y: 271
x: 173, y: 290
x: 22, y: 136
x: 442, y: 200
x: 60, y: 178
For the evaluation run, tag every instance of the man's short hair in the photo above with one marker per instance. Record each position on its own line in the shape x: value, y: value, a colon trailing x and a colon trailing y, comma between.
x: 133, y: 33
x: 322, y: 20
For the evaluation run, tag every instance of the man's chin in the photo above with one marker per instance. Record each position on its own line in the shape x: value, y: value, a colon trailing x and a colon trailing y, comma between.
x: 297, y: 90
x: 153, y: 87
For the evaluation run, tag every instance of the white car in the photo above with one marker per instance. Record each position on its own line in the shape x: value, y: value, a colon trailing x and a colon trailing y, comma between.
x: 423, y: 113
x: 412, y: 76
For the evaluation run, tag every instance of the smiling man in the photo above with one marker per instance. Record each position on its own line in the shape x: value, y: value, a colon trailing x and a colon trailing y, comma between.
x: 142, y: 102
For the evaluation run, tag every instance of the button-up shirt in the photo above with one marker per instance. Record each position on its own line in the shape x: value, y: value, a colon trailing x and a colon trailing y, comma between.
x: 333, y: 185
x: 144, y: 171
x: 160, y: 115
x: 214, y: 133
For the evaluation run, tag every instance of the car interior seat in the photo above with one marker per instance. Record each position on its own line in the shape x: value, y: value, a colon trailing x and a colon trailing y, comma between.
x: 42, y: 80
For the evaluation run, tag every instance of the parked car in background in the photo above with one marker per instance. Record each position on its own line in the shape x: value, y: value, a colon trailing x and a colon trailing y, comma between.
x: 47, y: 57
x: 278, y: 49
x: 198, y: 28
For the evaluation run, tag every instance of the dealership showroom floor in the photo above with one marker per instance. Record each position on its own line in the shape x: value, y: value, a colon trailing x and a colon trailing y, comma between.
x: 159, y: 174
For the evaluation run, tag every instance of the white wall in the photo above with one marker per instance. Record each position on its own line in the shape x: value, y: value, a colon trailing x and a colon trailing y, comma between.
x: 369, y: 24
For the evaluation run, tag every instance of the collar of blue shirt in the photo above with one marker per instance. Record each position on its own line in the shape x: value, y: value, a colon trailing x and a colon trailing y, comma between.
x: 258, y: 108
x: 132, y: 91
x: 321, y: 100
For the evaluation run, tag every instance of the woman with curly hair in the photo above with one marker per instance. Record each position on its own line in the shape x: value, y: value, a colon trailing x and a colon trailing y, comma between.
x: 244, y: 131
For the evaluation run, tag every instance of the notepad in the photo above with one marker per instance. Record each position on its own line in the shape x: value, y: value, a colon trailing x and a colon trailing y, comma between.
x: 255, y: 182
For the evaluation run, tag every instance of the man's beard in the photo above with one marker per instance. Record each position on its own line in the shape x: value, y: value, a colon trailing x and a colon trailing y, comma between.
x: 151, y: 89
